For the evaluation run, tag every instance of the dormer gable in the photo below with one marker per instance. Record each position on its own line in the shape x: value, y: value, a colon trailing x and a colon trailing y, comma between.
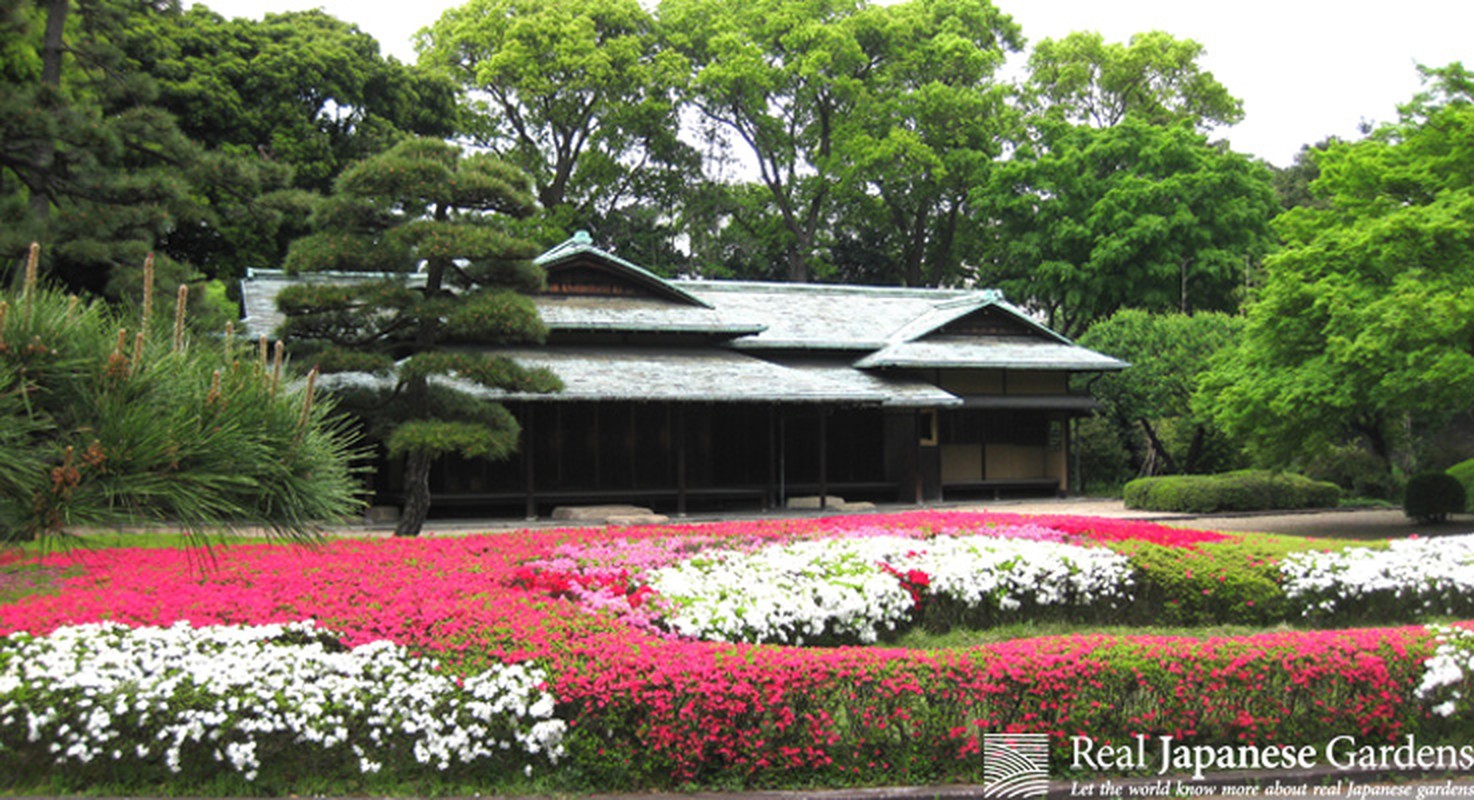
x: 578, y: 269
x: 986, y: 322
x: 985, y: 314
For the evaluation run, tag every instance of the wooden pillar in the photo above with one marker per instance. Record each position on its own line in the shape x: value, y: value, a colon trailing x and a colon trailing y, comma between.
x: 782, y: 461
x: 823, y: 457
x: 529, y: 466
x: 598, y: 443
x: 771, y: 493
x: 680, y: 461
x: 631, y: 443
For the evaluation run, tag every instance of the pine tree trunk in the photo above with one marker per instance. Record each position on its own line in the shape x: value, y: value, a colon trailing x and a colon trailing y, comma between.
x: 416, y: 493
x: 53, y: 50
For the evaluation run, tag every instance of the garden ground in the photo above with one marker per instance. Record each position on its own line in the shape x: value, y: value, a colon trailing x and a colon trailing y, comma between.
x: 1359, y: 523
x: 1339, y: 523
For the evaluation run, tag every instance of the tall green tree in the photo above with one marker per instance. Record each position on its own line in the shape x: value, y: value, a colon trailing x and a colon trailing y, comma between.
x: 1150, y: 405
x: 580, y: 96
x: 1088, y: 220
x: 1363, y: 329
x: 1085, y: 80
x: 855, y: 116
x: 301, y: 88
x: 89, y: 165
x: 778, y: 78
x: 930, y: 123
x: 437, y: 232
x: 282, y: 105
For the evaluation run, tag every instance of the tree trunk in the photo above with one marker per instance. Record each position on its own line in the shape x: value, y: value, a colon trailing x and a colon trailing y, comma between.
x: 1195, y: 450
x: 416, y: 494
x: 1156, y: 448
x: 417, y: 463
x: 43, y: 161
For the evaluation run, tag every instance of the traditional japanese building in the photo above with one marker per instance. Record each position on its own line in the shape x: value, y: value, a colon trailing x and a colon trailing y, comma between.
x: 686, y: 394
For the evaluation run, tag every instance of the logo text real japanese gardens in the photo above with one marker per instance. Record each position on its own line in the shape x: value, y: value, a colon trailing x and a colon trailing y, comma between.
x: 1165, y: 755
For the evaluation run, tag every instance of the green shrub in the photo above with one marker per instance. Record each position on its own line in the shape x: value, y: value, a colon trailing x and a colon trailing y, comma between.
x: 1244, y: 490
x: 1231, y: 582
x: 1432, y: 496
x: 115, y: 419
x: 1464, y: 472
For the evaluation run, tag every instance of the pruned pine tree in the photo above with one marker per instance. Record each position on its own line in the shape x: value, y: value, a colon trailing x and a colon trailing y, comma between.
x: 442, y: 272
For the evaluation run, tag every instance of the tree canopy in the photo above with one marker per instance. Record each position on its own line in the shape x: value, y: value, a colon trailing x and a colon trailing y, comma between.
x: 133, y: 127
x: 1085, y: 80
x: 581, y: 97
x: 847, y: 110
x: 88, y: 165
x: 1090, y: 220
x: 1364, y: 326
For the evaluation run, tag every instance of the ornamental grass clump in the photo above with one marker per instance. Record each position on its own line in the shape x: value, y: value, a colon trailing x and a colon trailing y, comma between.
x: 271, y: 704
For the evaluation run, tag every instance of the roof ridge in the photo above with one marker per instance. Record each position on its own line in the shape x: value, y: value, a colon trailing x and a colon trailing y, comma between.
x: 722, y: 284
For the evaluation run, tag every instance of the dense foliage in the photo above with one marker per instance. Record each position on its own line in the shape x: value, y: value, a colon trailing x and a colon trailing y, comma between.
x: 1432, y: 496
x: 1243, y: 490
x: 109, y: 419
x: 1148, y: 409
x: 647, y: 708
x: 1361, y: 331
x: 422, y: 200
x: 1092, y: 220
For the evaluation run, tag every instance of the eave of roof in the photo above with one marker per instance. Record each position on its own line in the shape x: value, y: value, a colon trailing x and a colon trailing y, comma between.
x: 1010, y: 353
x: 1049, y: 402
x: 899, y: 391
x: 681, y: 375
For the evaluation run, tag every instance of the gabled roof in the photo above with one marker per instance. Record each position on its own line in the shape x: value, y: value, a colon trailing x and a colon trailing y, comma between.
x: 927, y: 343
x: 821, y: 343
x: 581, y: 248
x: 958, y: 308
x: 1015, y: 352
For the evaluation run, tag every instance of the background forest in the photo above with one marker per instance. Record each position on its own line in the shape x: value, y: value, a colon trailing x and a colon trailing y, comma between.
x: 1318, y: 318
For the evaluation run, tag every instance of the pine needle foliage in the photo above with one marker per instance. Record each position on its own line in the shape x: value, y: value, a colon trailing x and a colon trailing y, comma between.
x: 441, y: 278
x: 107, y: 420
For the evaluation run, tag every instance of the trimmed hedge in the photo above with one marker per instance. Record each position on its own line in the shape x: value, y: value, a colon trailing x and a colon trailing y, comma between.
x: 1432, y: 496
x: 1244, y: 490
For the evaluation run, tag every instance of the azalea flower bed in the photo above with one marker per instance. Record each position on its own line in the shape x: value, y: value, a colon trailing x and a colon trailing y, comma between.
x: 193, y: 700
x: 847, y: 589
x: 1434, y: 576
x: 648, y: 705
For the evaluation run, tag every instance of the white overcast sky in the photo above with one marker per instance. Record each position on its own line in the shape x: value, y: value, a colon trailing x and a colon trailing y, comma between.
x: 1305, y: 69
